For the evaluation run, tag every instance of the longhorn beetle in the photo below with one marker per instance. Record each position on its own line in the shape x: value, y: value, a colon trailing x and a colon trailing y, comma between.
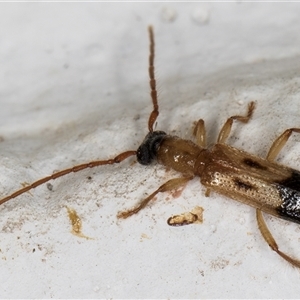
x: 261, y: 183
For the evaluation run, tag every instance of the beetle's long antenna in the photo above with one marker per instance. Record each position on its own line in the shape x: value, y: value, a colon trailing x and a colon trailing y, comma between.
x: 154, y: 114
x: 74, y: 169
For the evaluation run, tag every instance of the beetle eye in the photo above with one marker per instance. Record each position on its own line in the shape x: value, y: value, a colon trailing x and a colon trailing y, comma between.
x: 143, y: 155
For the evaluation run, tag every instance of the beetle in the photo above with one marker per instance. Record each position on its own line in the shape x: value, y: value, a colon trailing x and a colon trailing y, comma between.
x: 262, y: 183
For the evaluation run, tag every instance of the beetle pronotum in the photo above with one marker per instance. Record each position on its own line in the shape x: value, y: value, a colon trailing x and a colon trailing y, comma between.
x: 261, y: 183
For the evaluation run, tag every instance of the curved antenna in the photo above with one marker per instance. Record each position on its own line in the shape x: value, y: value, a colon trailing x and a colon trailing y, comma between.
x: 92, y: 164
x: 154, y: 114
x: 152, y: 118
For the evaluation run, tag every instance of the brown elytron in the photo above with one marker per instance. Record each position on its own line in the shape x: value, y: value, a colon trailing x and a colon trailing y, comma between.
x: 261, y: 183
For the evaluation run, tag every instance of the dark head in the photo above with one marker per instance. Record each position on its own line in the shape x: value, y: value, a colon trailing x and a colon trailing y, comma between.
x: 148, y: 149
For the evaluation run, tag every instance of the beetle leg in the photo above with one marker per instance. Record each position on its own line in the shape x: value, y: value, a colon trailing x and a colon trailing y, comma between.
x: 207, y: 192
x: 276, y: 147
x: 225, y: 131
x: 267, y: 235
x: 171, y: 184
x: 280, y: 142
x: 199, y: 133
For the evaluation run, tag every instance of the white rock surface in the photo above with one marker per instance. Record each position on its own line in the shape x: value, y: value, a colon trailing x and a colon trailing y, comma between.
x: 74, y: 88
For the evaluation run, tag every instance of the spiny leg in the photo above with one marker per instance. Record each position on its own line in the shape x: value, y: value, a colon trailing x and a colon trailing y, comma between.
x: 280, y: 142
x: 171, y: 184
x: 225, y: 131
x: 154, y: 114
x: 199, y: 133
x: 74, y: 169
x: 271, y: 241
